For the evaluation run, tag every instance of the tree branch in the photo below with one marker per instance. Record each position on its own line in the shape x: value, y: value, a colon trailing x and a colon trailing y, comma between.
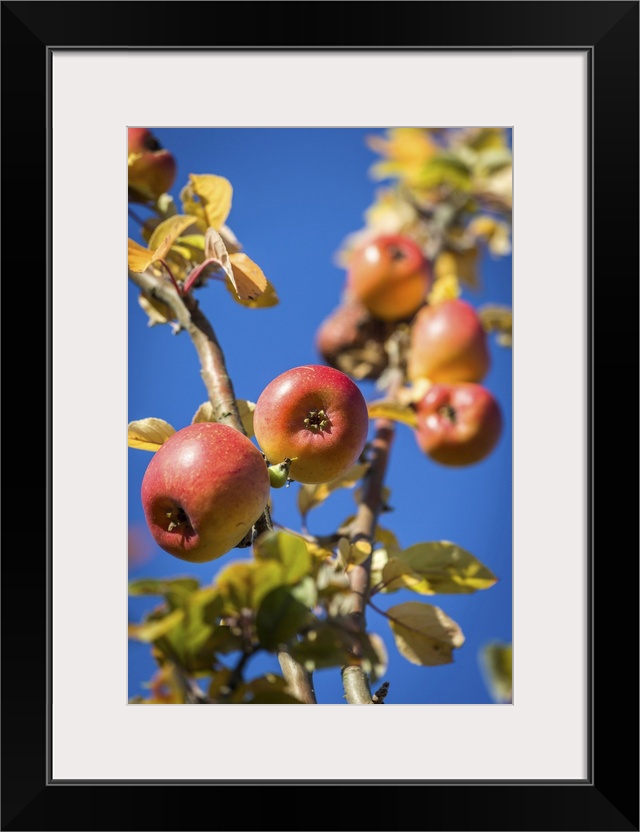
x: 354, y: 679
x: 225, y: 410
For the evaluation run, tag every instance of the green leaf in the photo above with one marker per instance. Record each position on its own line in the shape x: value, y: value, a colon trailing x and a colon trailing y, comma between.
x: 437, y: 567
x: 494, y: 159
x: 424, y: 635
x: 153, y: 629
x: 287, y: 549
x: 496, y: 660
x: 266, y: 690
x: 446, y: 169
x: 326, y: 645
x: 244, y: 584
x: 161, y: 586
x: 281, y: 616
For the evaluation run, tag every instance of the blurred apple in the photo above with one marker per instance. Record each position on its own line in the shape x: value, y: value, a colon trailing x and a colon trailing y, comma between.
x: 390, y: 275
x: 448, y: 343
x: 458, y: 424
x: 152, y: 168
x: 350, y: 339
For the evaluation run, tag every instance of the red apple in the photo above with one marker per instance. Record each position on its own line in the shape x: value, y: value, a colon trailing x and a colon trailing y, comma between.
x: 203, y: 490
x: 317, y: 417
x: 458, y: 424
x: 152, y: 168
x: 448, y: 343
x: 390, y: 275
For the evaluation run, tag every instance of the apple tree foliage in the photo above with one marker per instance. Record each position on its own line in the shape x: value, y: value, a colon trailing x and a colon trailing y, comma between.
x: 306, y: 599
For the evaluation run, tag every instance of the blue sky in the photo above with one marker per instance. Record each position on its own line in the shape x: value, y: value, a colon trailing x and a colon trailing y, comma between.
x: 298, y: 193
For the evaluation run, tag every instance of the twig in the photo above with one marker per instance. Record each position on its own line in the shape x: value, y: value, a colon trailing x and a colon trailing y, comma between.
x: 298, y: 679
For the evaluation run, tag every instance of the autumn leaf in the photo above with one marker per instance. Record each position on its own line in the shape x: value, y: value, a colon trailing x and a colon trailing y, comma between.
x: 149, y: 434
x: 436, y: 567
x: 424, y: 635
x: 162, y: 239
x: 388, y: 409
x: 245, y: 410
x: 208, y: 197
x: 248, y: 278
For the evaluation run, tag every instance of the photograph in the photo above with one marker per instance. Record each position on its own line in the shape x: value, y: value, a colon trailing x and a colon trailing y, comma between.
x: 320, y: 415
x: 301, y: 455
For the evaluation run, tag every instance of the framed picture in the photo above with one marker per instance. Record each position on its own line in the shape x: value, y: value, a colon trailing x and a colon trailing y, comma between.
x: 563, y: 77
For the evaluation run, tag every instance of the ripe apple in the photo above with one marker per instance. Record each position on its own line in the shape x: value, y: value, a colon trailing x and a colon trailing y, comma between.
x: 152, y: 168
x: 317, y: 417
x: 203, y: 490
x: 390, y: 275
x: 350, y: 339
x: 448, y: 343
x: 458, y: 424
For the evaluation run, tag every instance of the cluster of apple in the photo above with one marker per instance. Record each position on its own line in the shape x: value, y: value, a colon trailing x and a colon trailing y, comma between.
x: 208, y: 484
x: 388, y: 281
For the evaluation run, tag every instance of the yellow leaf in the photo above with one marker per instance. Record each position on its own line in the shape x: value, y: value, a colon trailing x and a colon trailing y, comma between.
x: 193, y: 240
x: 248, y: 278
x: 266, y: 300
x: 245, y: 408
x: 387, y: 409
x: 498, y: 319
x: 495, y: 233
x: 424, y: 635
x: 446, y: 287
x: 139, y: 258
x: 398, y: 574
x: 149, y: 434
x: 359, y: 552
x: 203, y: 414
x: 310, y: 496
x: 387, y: 538
x: 379, y: 560
x: 460, y: 264
x: 209, y: 198
x: 406, y: 149
x: 169, y: 229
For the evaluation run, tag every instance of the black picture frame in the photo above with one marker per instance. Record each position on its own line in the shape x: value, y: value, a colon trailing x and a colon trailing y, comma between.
x: 608, y: 798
